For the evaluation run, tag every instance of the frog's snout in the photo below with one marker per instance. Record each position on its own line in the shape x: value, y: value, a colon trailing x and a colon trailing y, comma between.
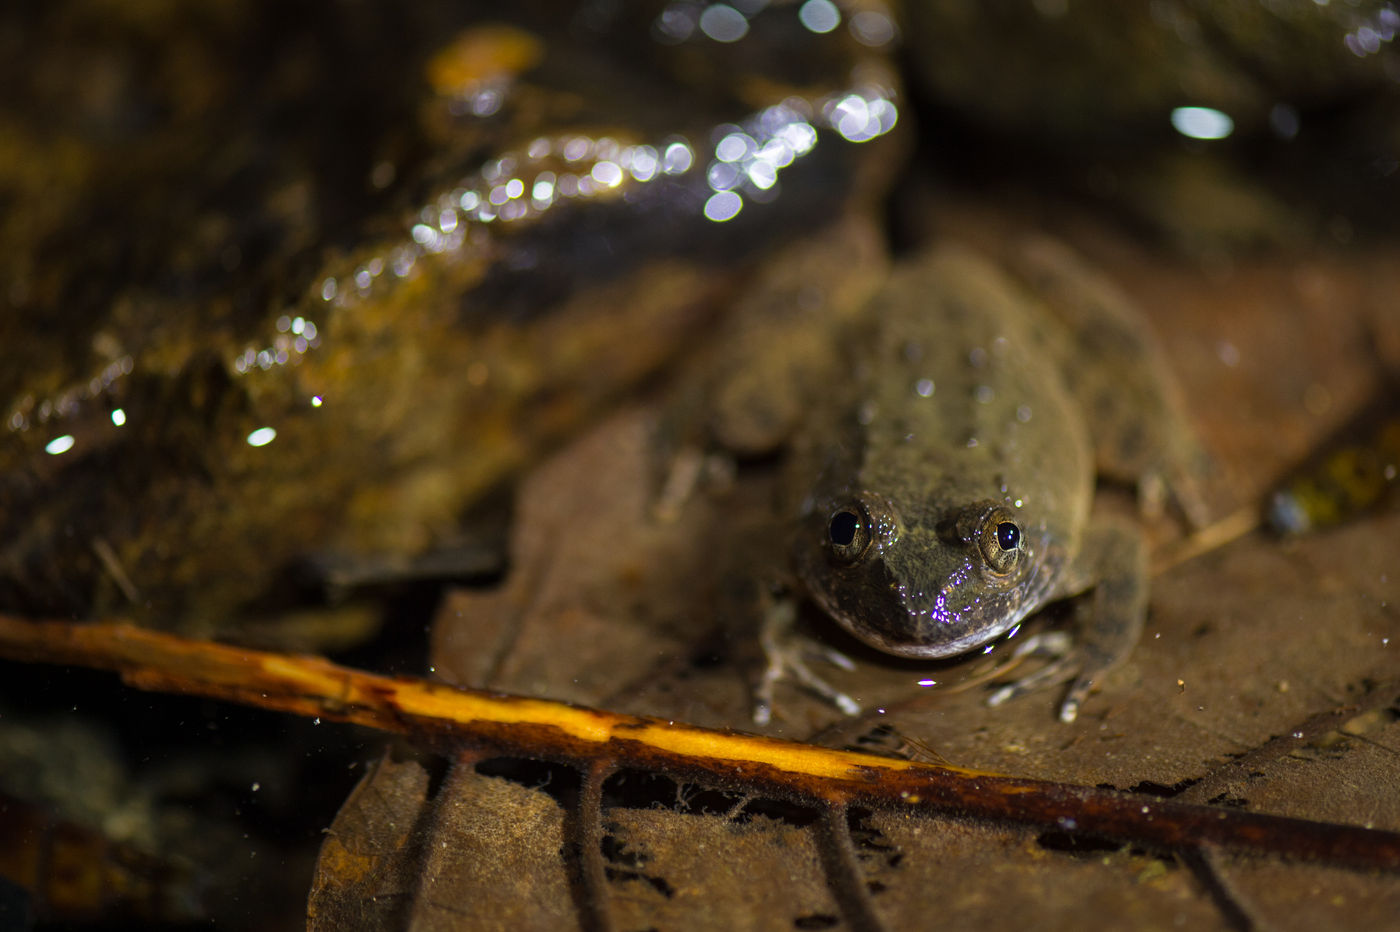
x: 917, y: 620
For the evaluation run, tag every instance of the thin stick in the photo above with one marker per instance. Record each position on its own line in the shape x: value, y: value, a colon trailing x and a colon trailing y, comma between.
x: 539, y: 728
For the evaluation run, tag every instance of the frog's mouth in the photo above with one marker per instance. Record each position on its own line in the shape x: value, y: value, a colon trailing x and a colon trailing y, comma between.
x: 949, y: 617
x: 933, y: 634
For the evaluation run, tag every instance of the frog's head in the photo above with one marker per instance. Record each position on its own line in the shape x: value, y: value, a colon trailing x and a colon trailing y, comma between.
x: 923, y: 584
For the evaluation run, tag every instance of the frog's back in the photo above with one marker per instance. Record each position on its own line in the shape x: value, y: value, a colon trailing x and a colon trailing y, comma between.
x: 960, y: 398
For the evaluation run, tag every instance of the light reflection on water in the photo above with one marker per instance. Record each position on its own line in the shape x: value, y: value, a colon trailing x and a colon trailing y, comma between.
x: 742, y: 163
x: 1375, y: 31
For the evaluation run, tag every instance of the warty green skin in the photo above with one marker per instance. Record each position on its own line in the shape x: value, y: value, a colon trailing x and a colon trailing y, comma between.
x: 997, y: 438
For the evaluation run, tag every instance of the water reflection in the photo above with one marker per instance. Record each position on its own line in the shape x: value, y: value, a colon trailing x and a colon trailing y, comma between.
x: 731, y: 166
x: 1373, y: 32
x: 1202, y: 123
x: 686, y: 20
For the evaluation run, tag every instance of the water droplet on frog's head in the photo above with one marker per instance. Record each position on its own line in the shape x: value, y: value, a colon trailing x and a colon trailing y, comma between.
x: 984, y: 394
x: 977, y: 357
x: 1023, y: 413
x: 866, y: 414
x: 924, y: 388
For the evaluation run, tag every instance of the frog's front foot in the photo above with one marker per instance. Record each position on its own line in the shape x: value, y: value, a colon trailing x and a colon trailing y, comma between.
x: 786, y: 654
x: 1065, y: 663
x: 1179, y: 483
x: 1114, y: 566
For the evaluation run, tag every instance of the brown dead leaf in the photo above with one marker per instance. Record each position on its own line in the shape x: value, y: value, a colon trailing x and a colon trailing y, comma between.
x: 368, y: 868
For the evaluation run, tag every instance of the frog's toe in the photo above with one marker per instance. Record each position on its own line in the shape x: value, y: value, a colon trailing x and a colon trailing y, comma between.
x: 678, y: 485
x: 1048, y: 675
x: 787, y: 660
x: 833, y: 656
x: 1181, y: 488
x: 1074, y: 698
x: 794, y: 667
x: 1189, y: 498
x: 690, y: 471
x: 1177, y: 478
x: 1064, y: 663
x: 1151, y: 495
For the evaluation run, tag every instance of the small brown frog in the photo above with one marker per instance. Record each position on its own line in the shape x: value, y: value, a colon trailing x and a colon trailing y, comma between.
x: 942, y: 492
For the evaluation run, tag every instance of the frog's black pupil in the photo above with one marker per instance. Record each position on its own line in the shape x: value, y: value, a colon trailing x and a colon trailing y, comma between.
x: 1008, y: 535
x: 843, y: 528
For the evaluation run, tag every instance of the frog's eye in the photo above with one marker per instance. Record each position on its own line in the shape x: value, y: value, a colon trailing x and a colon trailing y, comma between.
x: 999, y: 539
x: 848, y: 532
x: 1008, y: 535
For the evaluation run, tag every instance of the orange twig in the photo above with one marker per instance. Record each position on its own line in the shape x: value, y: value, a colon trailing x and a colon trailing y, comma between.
x: 313, y: 686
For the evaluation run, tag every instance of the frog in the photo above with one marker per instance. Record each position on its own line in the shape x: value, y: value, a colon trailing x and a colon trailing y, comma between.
x: 941, y: 490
